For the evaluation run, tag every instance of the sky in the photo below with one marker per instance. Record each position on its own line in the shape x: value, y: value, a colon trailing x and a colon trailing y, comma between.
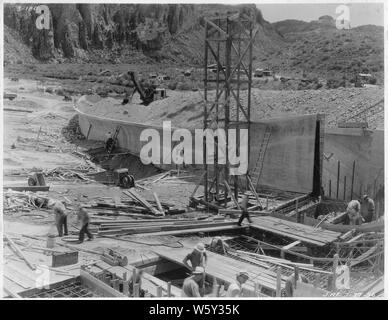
x: 360, y: 13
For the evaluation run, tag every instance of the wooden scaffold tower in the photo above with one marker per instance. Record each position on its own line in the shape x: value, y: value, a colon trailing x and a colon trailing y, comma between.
x: 227, y: 83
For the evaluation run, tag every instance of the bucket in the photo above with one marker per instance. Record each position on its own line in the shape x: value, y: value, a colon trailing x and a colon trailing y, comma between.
x: 50, y: 241
x: 51, y: 238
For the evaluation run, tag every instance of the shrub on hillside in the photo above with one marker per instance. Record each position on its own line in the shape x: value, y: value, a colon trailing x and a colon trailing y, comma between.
x: 334, y: 83
x: 372, y: 80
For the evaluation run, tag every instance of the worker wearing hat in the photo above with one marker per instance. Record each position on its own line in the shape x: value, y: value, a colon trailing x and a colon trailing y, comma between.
x: 235, y: 288
x: 197, y: 257
x: 353, y: 216
x: 190, y: 287
x: 367, y: 208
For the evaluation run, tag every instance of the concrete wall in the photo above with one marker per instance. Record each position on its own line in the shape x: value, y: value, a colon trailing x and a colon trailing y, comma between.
x: 288, y: 163
x: 366, y: 148
x: 289, y: 159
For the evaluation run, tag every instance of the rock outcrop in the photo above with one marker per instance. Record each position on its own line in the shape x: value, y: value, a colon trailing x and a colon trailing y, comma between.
x: 77, y: 31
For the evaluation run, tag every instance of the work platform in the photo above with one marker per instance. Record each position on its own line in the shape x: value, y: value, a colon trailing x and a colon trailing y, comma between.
x: 296, y: 231
x: 224, y: 270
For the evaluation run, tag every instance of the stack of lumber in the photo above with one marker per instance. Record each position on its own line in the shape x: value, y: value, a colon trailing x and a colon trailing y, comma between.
x: 15, y: 201
x: 133, y: 205
x: 122, y: 227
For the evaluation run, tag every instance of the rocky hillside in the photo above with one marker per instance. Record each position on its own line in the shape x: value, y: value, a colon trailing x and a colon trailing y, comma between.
x: 113, y: 32
x: 172, y: 34
x: 319, y: 48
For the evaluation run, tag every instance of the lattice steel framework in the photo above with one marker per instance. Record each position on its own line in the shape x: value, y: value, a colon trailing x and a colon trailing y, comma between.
x: 228, y: 45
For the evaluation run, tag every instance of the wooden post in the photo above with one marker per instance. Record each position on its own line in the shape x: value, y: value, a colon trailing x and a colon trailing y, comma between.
x: 338, y: 177
x: 298, y: 219
x: 136, y: 290
x: 115, y: 284
x: 296, y: 277
x: 169, y: 289
x: 126, y: 288
x: 317, y: 280
x: 330, y: 188
x: 159, y: 291
x: 257, y: 289
x: 278, y: 281
x: 351, y: 189
x: 335, y: 265
x: 345, y: 188
x: 266, y: 204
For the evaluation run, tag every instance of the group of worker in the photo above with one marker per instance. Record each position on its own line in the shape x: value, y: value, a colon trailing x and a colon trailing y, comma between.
x: 194, y: 286
x: 358, y: 213
x: 61, y: 221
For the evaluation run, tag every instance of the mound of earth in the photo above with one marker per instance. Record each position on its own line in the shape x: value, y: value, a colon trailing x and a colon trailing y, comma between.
x: 185, y: 109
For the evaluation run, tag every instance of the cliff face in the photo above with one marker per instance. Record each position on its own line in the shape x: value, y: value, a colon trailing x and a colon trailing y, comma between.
x: 77, y: 31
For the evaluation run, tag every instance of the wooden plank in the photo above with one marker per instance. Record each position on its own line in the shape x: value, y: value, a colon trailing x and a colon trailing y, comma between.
x: 158, y: 202
x: 138, y: 230
x: 196, y: 230
x: 295, y: 231
x: 143, y: 201
x: 291, y: 245
x: 229, y: 269
x: 16, y: 249
x: 28, y: 188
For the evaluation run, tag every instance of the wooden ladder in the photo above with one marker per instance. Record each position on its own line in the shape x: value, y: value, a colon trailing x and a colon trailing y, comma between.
x: 256, y: 172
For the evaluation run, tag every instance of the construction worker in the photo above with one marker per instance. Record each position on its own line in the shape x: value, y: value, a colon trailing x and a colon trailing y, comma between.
x: 353, y: 213
x: 197, y: 257
x: 190, y: 287
x: 290, y: 283
x: 219, y: 246
x: 83, y: 217
x: 60, y: 218
x: 244, y: 207
x: 235, y: 288
x: 109, y: 141
x: 367, y: 208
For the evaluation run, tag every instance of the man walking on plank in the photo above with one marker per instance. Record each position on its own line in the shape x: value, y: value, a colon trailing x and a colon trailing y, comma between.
x: 245, y: 213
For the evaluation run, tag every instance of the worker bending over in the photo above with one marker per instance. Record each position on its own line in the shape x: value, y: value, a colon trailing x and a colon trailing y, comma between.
x: 235, y: 288
x: 353, y: 213
x: 83, y: 217
x: 219, y: 246
x: 191, y: 284
x: 290, y: 283
x: 197, y: 258
x: 367, y: 208
x: 60, y: 218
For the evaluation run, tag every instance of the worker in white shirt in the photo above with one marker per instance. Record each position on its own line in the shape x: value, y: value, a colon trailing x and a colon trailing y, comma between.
x: 235, y: 288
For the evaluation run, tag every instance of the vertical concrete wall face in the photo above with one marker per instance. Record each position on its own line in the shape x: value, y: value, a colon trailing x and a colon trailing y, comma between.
x: 346, y: 145
x: 289, y: 159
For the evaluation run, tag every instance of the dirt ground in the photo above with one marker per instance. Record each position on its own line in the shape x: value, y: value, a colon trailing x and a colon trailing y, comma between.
x: 26, y: 150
